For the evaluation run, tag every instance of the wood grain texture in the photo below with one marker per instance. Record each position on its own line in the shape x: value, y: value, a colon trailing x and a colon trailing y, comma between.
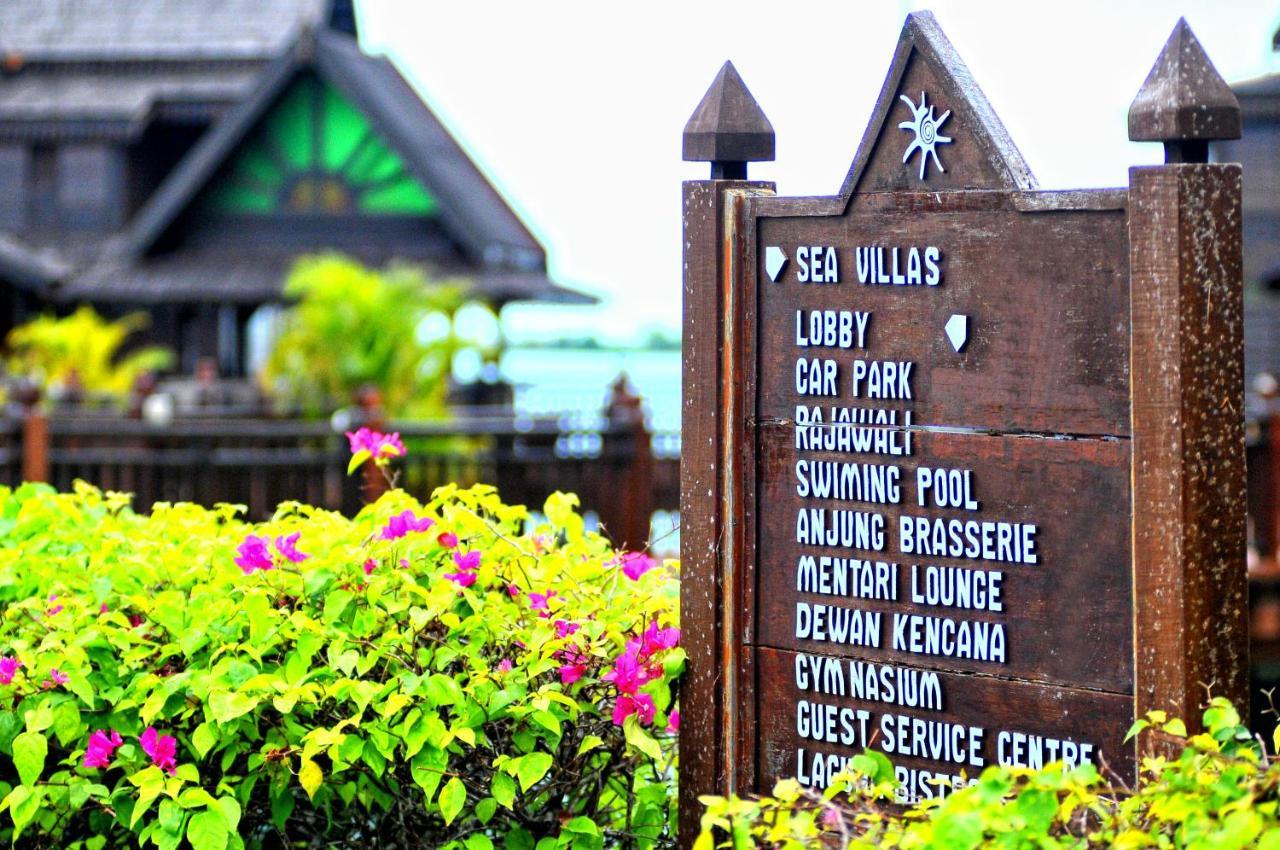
x: 1189, y: 488
x: 993, y: 705
x: 1046, y: 295
x: 703, y: 747
x: 1063, y: 486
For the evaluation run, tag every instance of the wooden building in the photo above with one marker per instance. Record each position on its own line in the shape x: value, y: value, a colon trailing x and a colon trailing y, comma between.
x: 178, y: 155
x: 1258, y: 150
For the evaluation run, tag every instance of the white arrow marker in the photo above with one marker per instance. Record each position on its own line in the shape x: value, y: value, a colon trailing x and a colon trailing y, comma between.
x: 774, y: 262
x: 958, y: 331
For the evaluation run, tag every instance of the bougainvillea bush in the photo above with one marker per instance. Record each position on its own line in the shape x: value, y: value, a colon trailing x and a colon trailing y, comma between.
x: 422, y: 675
x: 1216, y: 790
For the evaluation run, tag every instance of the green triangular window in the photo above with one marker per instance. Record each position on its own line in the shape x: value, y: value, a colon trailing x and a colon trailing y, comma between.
x: 316, y: 154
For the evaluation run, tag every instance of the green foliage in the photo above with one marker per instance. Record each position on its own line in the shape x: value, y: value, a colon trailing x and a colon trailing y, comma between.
x: 1218, y: 792
x: 354, y: 327
x: 83, y: 350
x: 358, y: 694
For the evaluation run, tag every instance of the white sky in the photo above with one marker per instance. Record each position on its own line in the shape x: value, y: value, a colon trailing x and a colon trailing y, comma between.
x: 574, y: 109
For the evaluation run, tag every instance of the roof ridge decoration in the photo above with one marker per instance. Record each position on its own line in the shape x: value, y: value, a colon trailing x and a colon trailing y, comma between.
x: 929, y: 86
x: 471, y: 209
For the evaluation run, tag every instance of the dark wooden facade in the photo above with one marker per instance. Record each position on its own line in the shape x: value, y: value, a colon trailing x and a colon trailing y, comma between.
x: 1094, y: 399
x: 178, y: 155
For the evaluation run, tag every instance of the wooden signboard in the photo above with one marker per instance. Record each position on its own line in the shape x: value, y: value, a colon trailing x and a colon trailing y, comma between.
x: 963, y: 469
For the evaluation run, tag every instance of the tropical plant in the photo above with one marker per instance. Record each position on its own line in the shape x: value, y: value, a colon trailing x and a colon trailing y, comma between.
x: 82, y: 352
x: 445, y: 675
x: 1218, y: 791
x: 354, y: 327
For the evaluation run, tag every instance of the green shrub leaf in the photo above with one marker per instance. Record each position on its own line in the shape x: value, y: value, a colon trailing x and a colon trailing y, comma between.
x: 532, y: 768
x: 452, y: 797
x: 29, y: 751
x: 208, y: 830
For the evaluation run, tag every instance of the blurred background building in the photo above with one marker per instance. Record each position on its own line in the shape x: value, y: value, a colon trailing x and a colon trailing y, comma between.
x: 178, y: 158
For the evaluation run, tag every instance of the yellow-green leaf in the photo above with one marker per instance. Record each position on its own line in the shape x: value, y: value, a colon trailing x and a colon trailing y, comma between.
x: 452, y: 797
x: 311, y: 777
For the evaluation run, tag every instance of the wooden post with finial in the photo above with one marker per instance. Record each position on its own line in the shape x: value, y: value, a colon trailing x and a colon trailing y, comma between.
x: 1188, y: 391
x: 728, y: 129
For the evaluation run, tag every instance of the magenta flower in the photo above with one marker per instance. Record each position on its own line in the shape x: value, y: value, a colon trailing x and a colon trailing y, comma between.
x: 369, y: 566
x: 467, y: 561
x: 635, y: 564
x: 628, y: 674
x: 640, y: 705
x: 288, y: 549
x: 56, y: 677
x: 448, y: 540
x: 564, y: 628
x: 831, y: 816
x: 673, y: 721
x: 8, y: 669
x: 541, y: 601
x: 136, y: 620
x: 570, y: 673
x: 102, y: 609
x: 381, y: 447
x: 505, y: 665
x: 101, y: 748
x: 53, y: 609
x: 656, y: 639
x: 464, y: 578
x: 252, y: 555
x: 403, y: 523
x: 513, y: 591
x: 163, y: 749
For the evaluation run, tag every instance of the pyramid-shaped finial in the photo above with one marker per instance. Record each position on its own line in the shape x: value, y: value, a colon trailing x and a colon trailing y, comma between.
x: 728, y: 129
x: 1184, y: 102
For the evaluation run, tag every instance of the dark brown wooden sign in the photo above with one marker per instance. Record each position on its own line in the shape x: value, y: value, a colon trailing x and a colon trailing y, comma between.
x: 963, y: 459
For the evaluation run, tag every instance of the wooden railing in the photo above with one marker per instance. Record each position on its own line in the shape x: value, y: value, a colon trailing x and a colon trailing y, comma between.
x: 260, y: 463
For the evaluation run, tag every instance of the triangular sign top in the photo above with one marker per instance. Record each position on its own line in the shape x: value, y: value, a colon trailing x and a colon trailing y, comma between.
x: 948, y: 132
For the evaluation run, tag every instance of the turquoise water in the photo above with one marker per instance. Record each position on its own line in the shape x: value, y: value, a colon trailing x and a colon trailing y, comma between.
x: 556, y: 381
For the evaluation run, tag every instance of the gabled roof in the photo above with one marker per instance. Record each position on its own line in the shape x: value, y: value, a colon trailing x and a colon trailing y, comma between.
x: 471, y: 210
x: 63, y: 31
x: 27, y: 268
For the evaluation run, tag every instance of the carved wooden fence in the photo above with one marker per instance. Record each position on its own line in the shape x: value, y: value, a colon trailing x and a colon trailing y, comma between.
x: 621, y: 472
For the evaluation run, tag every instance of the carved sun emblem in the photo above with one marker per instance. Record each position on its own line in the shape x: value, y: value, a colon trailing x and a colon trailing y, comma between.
x: 926, y: 127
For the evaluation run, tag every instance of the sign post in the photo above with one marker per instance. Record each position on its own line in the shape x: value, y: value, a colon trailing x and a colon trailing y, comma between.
x: 963, y: 460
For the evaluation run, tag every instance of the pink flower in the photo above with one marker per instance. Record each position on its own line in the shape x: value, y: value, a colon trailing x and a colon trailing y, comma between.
x: 369, y: 566
x: 448, y: 540
x: 136, y: 620
x: 541, y: 601
x: 513, y: 591
x: 252, y: 555
x: 564, y: 628
x: 628, y: 674
x: 570, y: 673
x: 403, y: 523
x: 673, y: 721
x: 635, y: 564
x: 831, y: 816
x: 381, y: 447
x: 56, y: 677
x: 404, y: 563
x: 102, y: 609
x: 287, y: 547
x: 640, y: 705
x: 162, y: 749
x: 504, y: 666
x: 464, y: 578
x: 467, y: 560
x: 53, y: 609
x: 8, y: 669
x: 101, y: 747
x: 655, y: 639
